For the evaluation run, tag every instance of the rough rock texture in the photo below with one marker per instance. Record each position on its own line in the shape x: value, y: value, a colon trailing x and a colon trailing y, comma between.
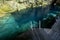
x: 35, y: 34
x: 55, y: 32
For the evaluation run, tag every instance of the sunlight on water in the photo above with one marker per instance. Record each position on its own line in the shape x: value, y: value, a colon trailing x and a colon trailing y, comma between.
x: 22, y: 16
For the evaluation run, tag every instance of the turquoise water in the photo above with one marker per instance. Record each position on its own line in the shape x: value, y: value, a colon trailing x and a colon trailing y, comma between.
x: 20, y: 21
